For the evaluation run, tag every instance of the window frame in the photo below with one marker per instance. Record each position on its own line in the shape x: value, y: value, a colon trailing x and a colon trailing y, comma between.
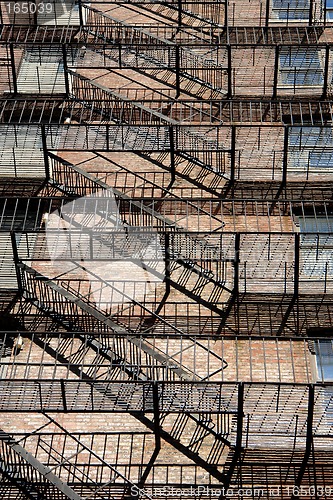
x: 301, y: 61
x: 308, y: 143
x: 284, y: 8
x: 316, y: 245
x: 320, y: 357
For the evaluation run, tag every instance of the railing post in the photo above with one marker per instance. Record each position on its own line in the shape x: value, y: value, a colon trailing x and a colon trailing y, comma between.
x: 276, y: 71
x: 12, y: 62
x: 325, y: 85
x: 45, y: 153
x: 64, y: 58
x: 172, y: 154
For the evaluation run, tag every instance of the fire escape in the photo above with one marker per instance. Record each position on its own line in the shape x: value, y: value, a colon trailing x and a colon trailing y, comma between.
x: 166, y: 232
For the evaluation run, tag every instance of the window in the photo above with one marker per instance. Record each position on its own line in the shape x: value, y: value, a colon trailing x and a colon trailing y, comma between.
x: 323, y: 367
x: 300, y: 66
x: 324, y: 359
x: 291, y: 9
x: 316, y: 224
x: 310, y: 148
x: 316, y: 247
x: 329, y: 10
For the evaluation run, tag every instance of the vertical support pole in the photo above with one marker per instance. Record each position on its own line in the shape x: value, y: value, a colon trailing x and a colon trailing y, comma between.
x: 294, y: 301
x: 167, y: 271
x: 157, y: 427
x: 120, y: 55
x: 229, y: 54
x: 239, y: 435
x: 179, y: 13
x: 12, y: 63
x: 45, y: 153
x: 64, y: 58
x: 157, y: 434
x: 267, y: 13
x: 233, y: 154
x: 309, y: 425
x: 311, y: 13
x: 296, y: 280
x: 92, y: 396
x: 167, y: 262
x: 107, y: 138
x: 296, y: 269
x: 236, y: 278
x: 327, y: 58
x: 236, y: 264
x: 325, y: 12
x: 285, y: 156
x: 177, y: 62
x: 309, y: 438
x: 276, y: 71
x: 80, y: 12
x: 226, y: 13
x: 172, y: 154
x: 240, y: 418
x: 16, y: 262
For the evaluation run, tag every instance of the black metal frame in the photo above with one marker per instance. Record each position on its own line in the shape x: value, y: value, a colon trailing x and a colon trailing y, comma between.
x: 187, y: 65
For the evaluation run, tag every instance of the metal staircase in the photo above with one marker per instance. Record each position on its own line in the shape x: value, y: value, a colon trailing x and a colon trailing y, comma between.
x: 28, y: 474
x: 38, y: 288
